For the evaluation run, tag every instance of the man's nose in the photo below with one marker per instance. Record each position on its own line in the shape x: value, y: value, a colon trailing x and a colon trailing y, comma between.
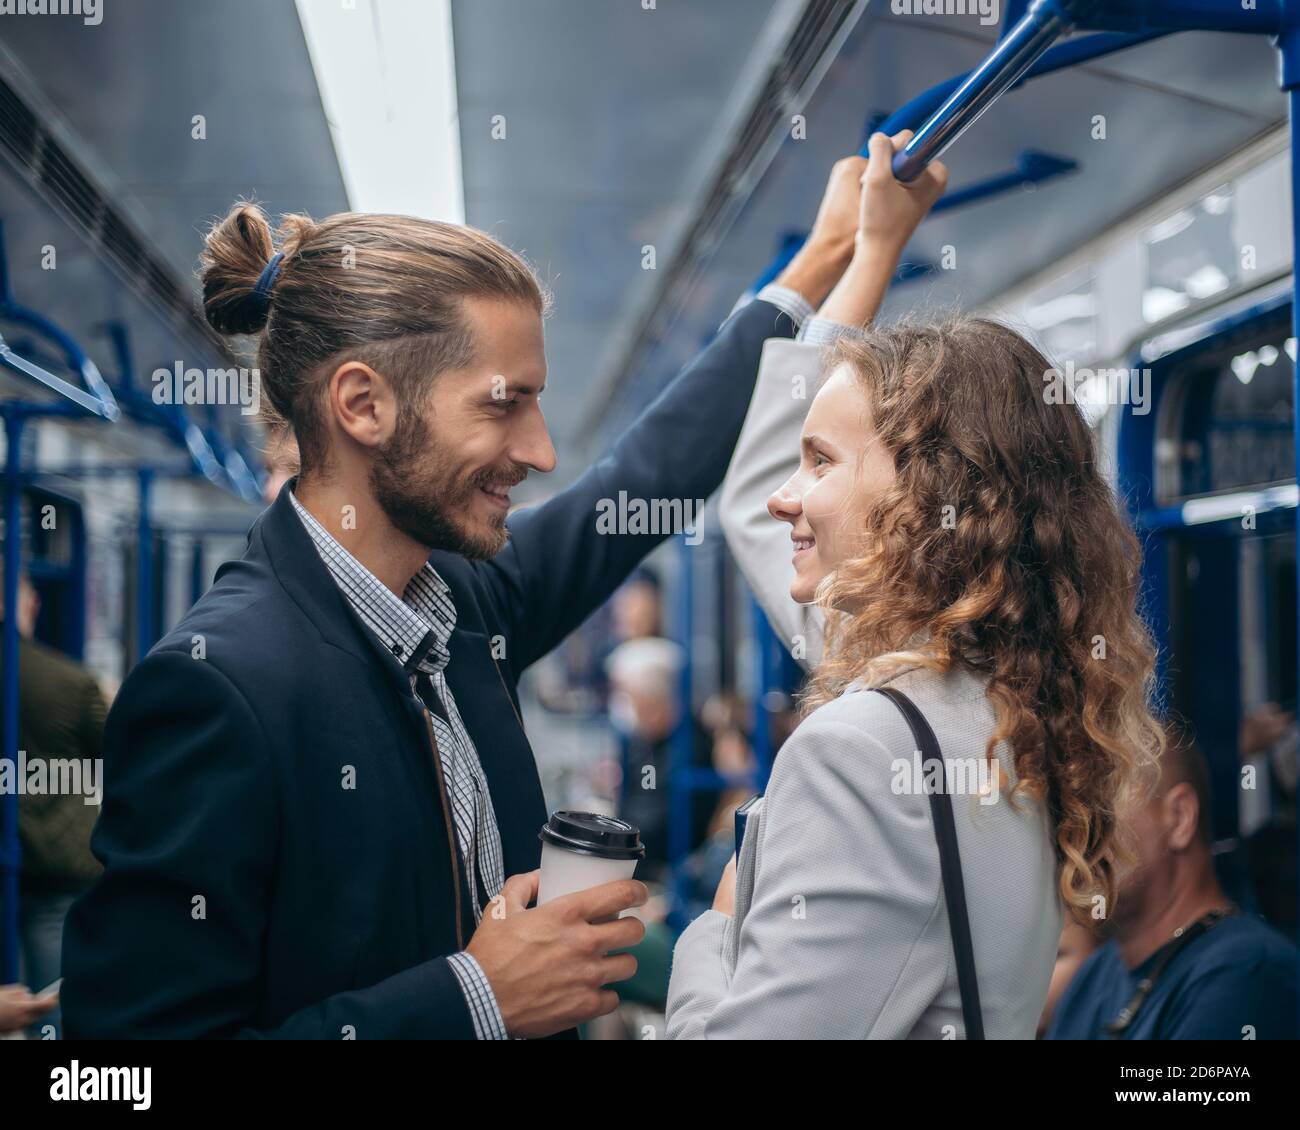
x: 534, y: 448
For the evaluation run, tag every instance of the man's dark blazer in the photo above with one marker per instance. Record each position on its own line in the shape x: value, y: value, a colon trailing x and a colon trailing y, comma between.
x: 276, y: 858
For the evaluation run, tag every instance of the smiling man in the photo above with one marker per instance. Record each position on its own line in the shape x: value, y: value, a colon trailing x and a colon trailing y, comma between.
x: 321, y: 810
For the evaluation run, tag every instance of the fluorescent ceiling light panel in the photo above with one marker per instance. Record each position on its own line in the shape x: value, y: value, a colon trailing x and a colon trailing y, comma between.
x: 387, y: 78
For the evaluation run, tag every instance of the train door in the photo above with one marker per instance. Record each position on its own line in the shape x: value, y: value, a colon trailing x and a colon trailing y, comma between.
x: 1210, y: 475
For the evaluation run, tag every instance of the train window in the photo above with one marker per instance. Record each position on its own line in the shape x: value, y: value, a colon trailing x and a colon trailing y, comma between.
x: 53, y: 523
x: 1190, y: 256
x: 1236, y: 427
x: 1065, y: 320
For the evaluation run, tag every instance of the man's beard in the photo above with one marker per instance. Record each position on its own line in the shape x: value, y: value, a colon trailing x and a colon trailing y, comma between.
x: 414, y: 484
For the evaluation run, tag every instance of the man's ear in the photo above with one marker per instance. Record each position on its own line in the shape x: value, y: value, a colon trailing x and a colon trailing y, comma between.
x: 360, y: 401
x: 1182, y: 816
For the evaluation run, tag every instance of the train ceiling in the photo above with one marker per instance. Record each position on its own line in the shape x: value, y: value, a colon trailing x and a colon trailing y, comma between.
x: 1171, y: 107
x: 618, y: 121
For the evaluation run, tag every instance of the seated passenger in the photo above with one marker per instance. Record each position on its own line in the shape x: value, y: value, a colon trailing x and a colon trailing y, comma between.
x: 954, y: 534
x: 1215, y: 973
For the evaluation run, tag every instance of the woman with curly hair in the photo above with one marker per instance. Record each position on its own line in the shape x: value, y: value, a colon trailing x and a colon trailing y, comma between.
x: 954, y: 540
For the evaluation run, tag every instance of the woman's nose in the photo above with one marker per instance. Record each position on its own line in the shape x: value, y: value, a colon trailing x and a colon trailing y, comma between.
x: 784, y: 504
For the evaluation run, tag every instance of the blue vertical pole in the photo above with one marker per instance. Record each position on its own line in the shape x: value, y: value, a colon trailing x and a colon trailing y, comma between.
x: 761, y: 741
x: 144, y: 569
x: 1289, y: 45
x: 681, y: 762
x: 11, y: 856
x: 198, y: 575
x: 74, y: 634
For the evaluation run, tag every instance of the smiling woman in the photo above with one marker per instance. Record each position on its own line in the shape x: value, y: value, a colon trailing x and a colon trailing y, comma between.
x: 974, y: 588
x: 994, y: 546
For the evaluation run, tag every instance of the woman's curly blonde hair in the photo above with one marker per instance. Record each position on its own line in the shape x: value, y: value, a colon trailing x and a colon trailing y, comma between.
x: 1000, y: 549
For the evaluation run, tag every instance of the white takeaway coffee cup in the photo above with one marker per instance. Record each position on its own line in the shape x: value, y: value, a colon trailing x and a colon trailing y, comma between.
x: 585, y: 849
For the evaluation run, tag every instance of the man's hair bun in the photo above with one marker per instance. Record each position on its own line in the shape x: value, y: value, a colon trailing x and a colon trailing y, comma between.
x: 236, y: 251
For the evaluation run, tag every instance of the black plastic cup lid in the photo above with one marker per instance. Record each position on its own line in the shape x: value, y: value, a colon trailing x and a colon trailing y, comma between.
x: 590, y: 833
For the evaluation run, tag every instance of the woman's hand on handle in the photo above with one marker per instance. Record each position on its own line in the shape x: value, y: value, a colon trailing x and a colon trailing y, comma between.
x: 888, y: 213
x: 889, y: 210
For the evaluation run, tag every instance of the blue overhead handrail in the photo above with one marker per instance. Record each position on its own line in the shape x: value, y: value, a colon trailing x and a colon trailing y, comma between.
x: 1012, y: 12
x: 100, y: 405
x: 915, y: 113
x: 172, y: 417
x: 1036, y: 31
x: 1026, y: 50
x: 1262, y: 17
x: 1071, y: 53
x: 95, y: 397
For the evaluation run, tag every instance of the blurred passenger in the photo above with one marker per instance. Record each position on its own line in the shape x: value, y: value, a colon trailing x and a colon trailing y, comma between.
x: 954, y: 541
x: 646, y: 708
x: 1076, y: 943
x: 1181, y: 962
x: 577, y: 673
x: 724, y: 717
x: 280, y: 458
x: 637, y: 605
x: 572, y: 678
x: 61, y: 712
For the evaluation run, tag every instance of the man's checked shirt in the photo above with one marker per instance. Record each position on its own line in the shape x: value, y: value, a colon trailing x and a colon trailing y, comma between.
x: 416, y: 630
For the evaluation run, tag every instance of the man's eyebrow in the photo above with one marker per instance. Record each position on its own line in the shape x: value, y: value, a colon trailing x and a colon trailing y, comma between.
x: 518, y: 388
x: 812, y: 440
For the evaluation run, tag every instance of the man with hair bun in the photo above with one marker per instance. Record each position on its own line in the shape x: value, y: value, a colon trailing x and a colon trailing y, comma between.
x: 321, y: 810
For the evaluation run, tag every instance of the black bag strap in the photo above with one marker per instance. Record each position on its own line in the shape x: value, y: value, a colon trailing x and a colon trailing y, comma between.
x: 954, y: 889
